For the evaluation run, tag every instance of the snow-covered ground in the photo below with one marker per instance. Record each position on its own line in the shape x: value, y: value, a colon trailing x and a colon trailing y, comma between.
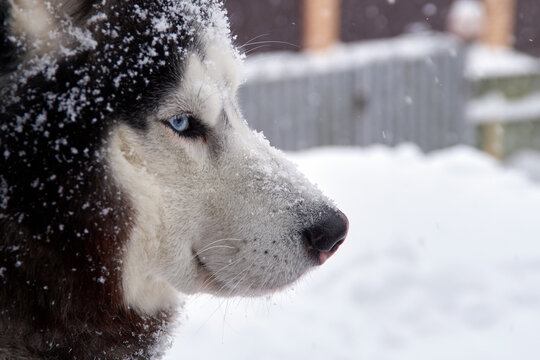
x: 442, y: 262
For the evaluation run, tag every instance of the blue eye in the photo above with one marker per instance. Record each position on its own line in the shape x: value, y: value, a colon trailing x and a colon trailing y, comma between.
x: 187, y: 126
x: 179, y: 123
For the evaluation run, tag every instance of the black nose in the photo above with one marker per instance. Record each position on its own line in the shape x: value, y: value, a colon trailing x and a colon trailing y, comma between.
x: 325, y: 236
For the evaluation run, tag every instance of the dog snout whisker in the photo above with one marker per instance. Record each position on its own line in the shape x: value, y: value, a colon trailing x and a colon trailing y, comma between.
x: 233, y: 249
x: 213, y: 245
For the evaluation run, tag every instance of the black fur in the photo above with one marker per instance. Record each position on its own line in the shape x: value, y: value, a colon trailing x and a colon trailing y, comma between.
x: 8, y: 50
x: 63, y: 221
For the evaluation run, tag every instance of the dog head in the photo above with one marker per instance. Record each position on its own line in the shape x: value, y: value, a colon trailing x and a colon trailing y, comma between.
x: 213, y: 207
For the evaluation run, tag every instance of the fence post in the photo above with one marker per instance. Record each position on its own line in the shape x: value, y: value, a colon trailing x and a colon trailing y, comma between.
x: 498, y: 32
x: 321, y: 24
x: 500, y: 18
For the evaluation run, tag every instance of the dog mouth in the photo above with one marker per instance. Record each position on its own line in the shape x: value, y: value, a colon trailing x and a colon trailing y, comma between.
x: 241, y: 274
x: 199, y: 261
x: 206, y: 275
x: 202, y: 268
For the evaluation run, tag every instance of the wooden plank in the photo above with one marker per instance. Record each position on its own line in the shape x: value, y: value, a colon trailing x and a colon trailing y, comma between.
x: 499, y: 31
x: 320, y: 24
x: 500, y: 22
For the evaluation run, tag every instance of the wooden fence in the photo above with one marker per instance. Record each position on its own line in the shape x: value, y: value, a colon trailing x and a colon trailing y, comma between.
x: 409, y: 89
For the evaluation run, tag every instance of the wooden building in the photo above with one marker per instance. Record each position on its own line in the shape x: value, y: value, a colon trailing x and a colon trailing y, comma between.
x: 280, y: 21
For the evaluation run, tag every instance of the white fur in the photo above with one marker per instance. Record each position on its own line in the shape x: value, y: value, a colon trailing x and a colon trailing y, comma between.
x: 142, y: 289
x: 31, y: 17
x: 33, y: 20
x: 46, y: 30
x: 234, y: 204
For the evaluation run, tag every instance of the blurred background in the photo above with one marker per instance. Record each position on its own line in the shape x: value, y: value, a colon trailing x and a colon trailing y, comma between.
x: 421, y: 118
x: 439, y: 72
x: 371, y: 19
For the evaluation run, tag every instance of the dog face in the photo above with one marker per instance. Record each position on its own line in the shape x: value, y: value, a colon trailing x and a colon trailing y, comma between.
x: 229, y: 214
x: 214, y: 208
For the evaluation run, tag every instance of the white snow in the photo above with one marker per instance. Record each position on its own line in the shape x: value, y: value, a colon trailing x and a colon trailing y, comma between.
x: 489, y: 62
x: 442, y: 262
x: 495, y: 107
x: 527, y: 161
x: 466, y: 18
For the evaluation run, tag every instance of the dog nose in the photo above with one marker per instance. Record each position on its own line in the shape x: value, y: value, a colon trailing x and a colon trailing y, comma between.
x: 325, y: 236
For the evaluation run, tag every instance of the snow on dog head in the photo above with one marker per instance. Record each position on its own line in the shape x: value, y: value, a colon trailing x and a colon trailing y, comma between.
x: 221, y: 211
x: 123, y: 145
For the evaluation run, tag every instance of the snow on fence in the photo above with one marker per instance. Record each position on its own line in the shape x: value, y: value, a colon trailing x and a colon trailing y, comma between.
x: 505, y: 100
x: 409, y: 89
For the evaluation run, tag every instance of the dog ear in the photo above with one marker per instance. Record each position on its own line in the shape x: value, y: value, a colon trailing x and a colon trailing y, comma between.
x: 25, y: 22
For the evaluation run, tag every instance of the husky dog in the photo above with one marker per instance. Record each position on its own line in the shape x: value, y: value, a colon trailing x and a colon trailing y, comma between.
x: 128, y: 176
